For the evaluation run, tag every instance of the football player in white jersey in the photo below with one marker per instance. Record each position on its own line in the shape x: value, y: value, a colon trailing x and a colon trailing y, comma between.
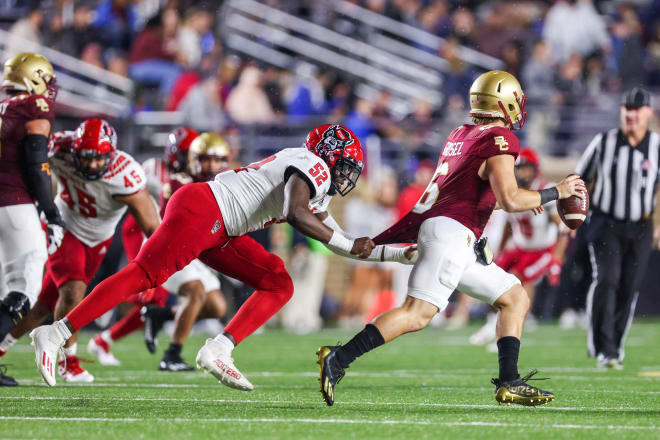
x: 538, y: 247
x: 210, y: 220
x: 96, y: 185
x: 195, y: 282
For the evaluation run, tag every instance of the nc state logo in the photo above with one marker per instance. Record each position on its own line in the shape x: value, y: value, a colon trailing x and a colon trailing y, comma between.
x: 333, y: 139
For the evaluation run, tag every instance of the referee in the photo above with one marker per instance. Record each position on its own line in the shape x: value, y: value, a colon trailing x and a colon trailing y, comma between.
x: 622, y: 166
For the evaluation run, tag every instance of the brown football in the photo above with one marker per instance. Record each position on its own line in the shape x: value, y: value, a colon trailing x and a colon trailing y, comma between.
x: 573, y: 210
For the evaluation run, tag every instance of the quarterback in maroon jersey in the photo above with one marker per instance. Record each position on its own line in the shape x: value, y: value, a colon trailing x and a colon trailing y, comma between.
x: 25, y: 118
x: 474, y: 175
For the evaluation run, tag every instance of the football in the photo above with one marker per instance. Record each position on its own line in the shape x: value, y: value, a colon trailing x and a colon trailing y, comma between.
x: 573, y: 210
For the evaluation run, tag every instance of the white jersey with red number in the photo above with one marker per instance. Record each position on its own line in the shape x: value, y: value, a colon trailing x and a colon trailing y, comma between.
x: 534, y: 232
x: 157, y: 175
x: 252, y: 198
x: 88, y: 208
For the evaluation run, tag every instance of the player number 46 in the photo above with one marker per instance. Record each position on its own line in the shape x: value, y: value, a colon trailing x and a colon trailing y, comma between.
x: 432, y: 191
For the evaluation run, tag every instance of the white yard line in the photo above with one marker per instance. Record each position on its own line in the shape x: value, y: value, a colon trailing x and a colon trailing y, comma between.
x: 298, y: 402
x: 335, y: 421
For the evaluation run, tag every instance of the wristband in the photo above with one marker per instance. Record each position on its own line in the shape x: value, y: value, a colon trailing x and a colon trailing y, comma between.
x: 549, y: 194
x: 340, y: 242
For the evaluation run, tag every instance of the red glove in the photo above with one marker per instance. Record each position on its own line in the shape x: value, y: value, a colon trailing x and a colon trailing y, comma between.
x: 554, y: 272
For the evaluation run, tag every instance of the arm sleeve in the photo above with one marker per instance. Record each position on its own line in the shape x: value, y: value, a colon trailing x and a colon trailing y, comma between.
x: 129, y: 177
x: 586, y: 167
x: 379, y: 253
x: 37, y: 175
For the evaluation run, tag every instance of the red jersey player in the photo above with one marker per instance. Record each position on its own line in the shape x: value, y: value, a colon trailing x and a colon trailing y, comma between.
x: 211, y: 220
x: 475, y: 172
x: 96, y: 185
x: 25, y: 118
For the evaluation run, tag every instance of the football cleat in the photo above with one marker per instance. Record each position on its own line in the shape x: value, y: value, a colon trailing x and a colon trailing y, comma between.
x: 330, y: 372
x: 609, y: 363
x: 6, y: 381
x: 519, y: 392
x: 172, y: 362
x: 71, y: 371
x: 154, y: 318
x: 99, y: 348
x: 214, y: 358
x: 46, y: 341
x: 486, y: 333
x: 12, y: 309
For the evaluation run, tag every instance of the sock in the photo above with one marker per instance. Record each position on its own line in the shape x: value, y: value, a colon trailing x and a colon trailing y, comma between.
x: 7, y: 342
x: 105, y: 336
x: 174, y: 350
x: 128, y: 324
x: 508, y: 348
x: 108, y: 294
x: 71, y: 351
x: 365, y: 341
x: 254, y: 312
x: 225, y: 342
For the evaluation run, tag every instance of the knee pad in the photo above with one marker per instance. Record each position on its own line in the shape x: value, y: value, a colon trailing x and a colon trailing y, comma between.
x: 24, y: 274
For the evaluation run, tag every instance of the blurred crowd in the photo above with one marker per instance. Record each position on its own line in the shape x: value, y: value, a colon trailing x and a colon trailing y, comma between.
x: 566, y: 53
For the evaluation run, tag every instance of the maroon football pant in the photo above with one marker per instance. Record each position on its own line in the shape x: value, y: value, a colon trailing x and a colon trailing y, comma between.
x: 193, y: 227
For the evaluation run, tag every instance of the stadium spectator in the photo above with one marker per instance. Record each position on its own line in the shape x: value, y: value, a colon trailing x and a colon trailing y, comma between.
x: 25, y: 29
x: 574, y: 26
x: 116, y: 23
x: 305, y: 97
x: 153, y: 57
x: 197, y: 23
x: 75, y: 36
x: 247, y: 103
x: 202, y: 106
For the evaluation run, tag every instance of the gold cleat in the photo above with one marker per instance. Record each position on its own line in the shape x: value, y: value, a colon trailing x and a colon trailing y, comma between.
x: 519, y: 392
x: 330, y: 373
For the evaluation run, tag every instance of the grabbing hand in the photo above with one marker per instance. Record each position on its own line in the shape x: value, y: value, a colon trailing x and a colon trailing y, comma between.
x: 55, y: 233
x: 411, y: 254
x: 363, y: 246
x: 571, y: 186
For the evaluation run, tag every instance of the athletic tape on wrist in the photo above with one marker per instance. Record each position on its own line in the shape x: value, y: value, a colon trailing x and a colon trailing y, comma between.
x: 340, y: 242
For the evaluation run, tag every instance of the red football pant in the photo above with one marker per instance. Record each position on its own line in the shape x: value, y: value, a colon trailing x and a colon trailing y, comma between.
x: 193, y: 227
x: 128, y: 324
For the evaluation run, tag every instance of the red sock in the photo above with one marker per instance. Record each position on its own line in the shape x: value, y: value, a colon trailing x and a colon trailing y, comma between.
x: 254, y: 312
x: 109, y: 293
x: 128, y: 324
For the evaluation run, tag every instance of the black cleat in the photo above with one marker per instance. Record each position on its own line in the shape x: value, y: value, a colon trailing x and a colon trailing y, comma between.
x: 154, y: 318
x: 171, y: 362
x: 330, y: 372
x: 519, y: 392
x: 12, y: 309
x: 6, y: 381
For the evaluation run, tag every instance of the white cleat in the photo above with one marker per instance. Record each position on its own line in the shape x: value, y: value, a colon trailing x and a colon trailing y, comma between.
x: 71, y: 371
x: 99, y: 348
x: 46, y: 341
x: 487, y: 333
x: 214, y: 358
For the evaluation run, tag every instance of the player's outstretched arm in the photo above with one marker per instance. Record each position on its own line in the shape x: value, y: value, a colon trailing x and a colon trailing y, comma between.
x: 297, y: 213
x: 500, y: 173
x: 403, y: 255
x: 142, y: 209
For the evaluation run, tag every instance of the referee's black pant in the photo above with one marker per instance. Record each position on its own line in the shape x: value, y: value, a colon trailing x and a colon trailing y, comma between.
x: 619, y: 253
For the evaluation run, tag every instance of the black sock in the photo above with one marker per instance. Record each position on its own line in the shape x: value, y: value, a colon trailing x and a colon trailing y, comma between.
x: 174, y: 350
x: 365, y: 341
x: 508, y: 348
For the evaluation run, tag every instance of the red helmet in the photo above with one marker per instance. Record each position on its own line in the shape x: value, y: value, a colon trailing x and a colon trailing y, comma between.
x: 94, y: 139
x: 340, y: 149
x: 527, y: 156
x: 176, y: 149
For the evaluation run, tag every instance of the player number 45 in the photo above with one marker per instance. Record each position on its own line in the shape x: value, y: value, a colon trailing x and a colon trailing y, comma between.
x: 432, y: 191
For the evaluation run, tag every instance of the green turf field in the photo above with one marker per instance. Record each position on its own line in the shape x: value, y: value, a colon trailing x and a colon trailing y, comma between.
x: 426, y: 385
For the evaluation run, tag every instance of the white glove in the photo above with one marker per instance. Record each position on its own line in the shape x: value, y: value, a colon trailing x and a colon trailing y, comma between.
x: 55, y: 236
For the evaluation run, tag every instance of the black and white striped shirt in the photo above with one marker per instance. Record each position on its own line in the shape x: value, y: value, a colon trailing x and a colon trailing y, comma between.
x: 625, y: 177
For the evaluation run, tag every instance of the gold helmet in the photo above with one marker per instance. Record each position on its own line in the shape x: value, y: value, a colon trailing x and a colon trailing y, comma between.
x: 205, y: 145
x: 497, y: 94
x: 29, y: 72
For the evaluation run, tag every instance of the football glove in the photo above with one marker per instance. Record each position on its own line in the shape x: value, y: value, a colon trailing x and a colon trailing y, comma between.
x: 55, y: 233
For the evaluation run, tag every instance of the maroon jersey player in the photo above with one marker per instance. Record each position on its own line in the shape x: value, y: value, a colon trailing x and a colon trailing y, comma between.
x: 474, y: 175
x: 25, y: 118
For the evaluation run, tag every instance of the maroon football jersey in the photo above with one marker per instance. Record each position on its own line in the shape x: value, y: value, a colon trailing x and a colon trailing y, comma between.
x: 456, y: 191
x: 15, y: 112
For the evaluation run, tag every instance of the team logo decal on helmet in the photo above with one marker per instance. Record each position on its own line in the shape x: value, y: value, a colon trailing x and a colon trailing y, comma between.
x: 176, y: 149
x: 340, y: 149
x: 94, y: 139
